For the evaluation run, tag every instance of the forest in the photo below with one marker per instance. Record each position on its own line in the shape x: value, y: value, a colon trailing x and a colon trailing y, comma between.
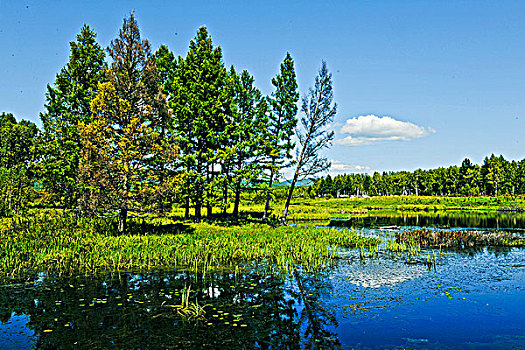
x: 150, y: 130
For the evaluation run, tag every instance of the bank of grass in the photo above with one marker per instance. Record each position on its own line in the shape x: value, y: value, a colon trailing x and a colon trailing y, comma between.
x: 328, y: 208
x: 67, y: 245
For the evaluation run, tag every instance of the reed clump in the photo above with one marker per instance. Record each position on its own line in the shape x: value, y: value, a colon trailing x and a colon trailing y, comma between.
x: 70, y: 245
x: 189, y: 310
x: 459, y: 239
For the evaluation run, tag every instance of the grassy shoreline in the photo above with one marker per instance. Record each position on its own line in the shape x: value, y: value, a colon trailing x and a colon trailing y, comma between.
x: 66, y: 245
x: 329, y: 208
x: 46, y: 241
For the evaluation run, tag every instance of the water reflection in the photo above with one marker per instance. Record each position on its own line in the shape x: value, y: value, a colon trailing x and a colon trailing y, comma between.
x: 473, y: 297
x: 442, y: 219
x: 129, y: 311
x: 377, y: 273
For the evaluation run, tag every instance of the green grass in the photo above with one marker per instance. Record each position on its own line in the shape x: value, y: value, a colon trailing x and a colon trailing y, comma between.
x: 68, y: 246
x: 46, y: 241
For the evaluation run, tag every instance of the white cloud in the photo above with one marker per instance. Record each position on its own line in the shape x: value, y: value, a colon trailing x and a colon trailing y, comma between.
x: 340, y: 167
x: 371, y: 129
x: 337, y: 168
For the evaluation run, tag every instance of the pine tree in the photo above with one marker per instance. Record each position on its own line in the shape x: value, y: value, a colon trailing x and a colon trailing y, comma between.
x: 201, y: 102
x: 283, y: 106
x: 68, y: 104
x: 122, y: 141
x: 319, y: 110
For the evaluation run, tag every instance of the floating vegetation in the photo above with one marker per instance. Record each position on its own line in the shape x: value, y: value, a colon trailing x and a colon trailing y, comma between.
x: 461, y: 239
x: 68, y: 245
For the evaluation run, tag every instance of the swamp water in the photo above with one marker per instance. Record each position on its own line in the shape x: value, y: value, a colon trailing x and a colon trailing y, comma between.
x: 470, y: 299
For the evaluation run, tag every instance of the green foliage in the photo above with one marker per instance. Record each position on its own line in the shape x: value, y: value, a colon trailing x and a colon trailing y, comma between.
x: 201, y: 101
x: 282, y: 121
x: 246, y: 143
x: 497, y: 176
x: 17, y: 153
x: 283, y: 107
x: 16, y: 191
x: 16, y: 142
x: 68, y: 104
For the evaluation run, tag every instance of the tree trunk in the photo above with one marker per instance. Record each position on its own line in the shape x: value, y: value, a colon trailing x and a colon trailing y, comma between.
x: 198, y: 207
x: 199, y: 192
x: 187, y: 208
x: 122, y: 220
x: 209, y: 206
x: 237, y: 199
x: 198, y: 203
x: 268, y: 196
x: 290, y: 194
x: 225, y: 196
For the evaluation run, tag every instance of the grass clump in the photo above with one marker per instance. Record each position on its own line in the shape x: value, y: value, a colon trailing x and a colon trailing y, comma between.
x: 67, y: 245
x: 458, y: 239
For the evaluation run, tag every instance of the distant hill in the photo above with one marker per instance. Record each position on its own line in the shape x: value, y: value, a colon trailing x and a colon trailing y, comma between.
x: 305, y: 182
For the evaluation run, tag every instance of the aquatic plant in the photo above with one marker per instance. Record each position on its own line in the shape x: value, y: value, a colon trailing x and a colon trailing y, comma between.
x: 68, y: 245
x: 189, y: 310
x: 459, y: 238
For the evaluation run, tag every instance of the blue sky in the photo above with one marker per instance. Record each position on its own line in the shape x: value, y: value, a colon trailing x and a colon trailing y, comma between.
x: 419, y: 84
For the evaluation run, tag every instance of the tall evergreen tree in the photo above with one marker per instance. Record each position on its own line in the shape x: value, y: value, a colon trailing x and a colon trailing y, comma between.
x: 201, y: 102
x: 246, y: 134
x: 122, y: 140
x: 283, y: 107
x: 319, y: 110
x: 68, y: 104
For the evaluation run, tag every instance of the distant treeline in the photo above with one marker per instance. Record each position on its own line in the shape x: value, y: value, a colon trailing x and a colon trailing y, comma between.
x: 496, y: 176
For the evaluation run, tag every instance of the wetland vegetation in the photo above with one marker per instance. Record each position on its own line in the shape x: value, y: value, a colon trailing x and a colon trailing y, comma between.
x: 104, y: 242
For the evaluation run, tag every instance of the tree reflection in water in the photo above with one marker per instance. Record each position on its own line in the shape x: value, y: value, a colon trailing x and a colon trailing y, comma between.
x: 130, y: 311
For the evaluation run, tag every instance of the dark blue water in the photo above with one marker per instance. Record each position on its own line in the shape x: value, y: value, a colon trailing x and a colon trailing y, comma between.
x: 470, y: 299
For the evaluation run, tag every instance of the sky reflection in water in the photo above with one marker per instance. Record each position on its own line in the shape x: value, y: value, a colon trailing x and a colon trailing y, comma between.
x: 471, y: 300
